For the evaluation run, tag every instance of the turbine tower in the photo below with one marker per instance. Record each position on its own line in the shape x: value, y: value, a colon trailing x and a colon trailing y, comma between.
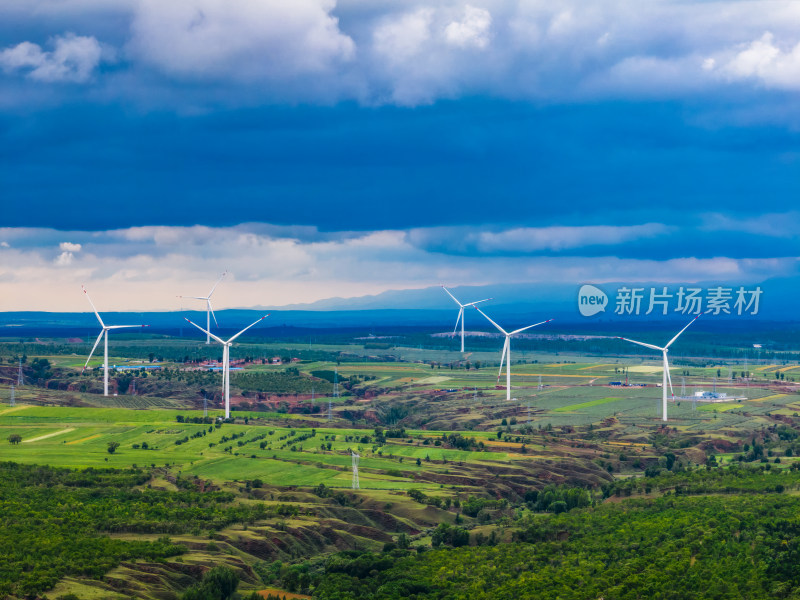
x: 460, y: 317
x: 507, y: 349
x: 355, y: 458
x: 209, y: 309
x: 666, y: 379
x: 103, y: 334
x: 226, y: 361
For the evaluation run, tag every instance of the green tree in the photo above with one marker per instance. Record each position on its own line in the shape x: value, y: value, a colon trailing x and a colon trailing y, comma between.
x: 218, y: 583
x: 15, y: 438
x: 41, y: 368
x: 112, y: 447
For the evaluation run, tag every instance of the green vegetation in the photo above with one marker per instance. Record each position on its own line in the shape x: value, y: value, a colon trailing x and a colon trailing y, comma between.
x: 668, y: 547
x: 583, y: 405
x: 218, y: 583
x: 57, y: 522
x: 289, y: 381
x: 566, y: 492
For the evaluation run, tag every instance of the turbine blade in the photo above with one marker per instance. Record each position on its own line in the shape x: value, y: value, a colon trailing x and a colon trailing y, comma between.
x: 651, y: 346
x: 503, y: 358
x: 246, y: 328
x: 93, y: 308
x: 124, y: 326
x: 478, y: 302
x: 681, y: 331
x: 97, y: 341
x: 221, y: 277
x: 503, y: 331
x: 204, y: 331
x: 458, y: 318
x: 195, y: 297
x: 669, y: 377
x: 529, y: 326
x: 211, y: 308
x: 453, y: 297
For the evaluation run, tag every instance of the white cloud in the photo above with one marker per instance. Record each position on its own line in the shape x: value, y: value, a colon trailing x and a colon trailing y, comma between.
x: 69, y: 247
x: 146, y: 268
x: 764, y: 61
x: 239, y: 39
x: 472, y: 31
x: 409, y: 54
x: 402, y: 39
x: 73, y: 58
x: 5, y: 245
x: 64, y: 259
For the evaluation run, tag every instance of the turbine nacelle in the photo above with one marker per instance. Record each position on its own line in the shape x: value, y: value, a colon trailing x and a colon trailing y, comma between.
x: 103, y: 334
x: 226, y: 360
x: 209, y: 309
x: 667, y: 377
x: 460, y: 317
x: 506, y: 355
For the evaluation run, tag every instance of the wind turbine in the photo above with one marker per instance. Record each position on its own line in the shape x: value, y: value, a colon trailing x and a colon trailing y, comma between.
x: 666, y: 378
x: 103, y: 333
x: 507, y: 349
x: 209, y: 310
x: 461, y: 313
x: 226, y: 361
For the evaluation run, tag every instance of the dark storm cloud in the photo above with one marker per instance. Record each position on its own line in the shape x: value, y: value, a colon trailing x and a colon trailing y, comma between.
x: 345, y: 167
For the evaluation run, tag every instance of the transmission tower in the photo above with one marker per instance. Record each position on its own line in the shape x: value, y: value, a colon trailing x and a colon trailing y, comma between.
x: 355, y: 458
x: 747, y: 379
x: 541, y: 387
x: 20, y: 377
x: 336, y: 383
x: 312, y: 395
x: 205, y: 405
x: 13, y: 401
x: 335, y: 394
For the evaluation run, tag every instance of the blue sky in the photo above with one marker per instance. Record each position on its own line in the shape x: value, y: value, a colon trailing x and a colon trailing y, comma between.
x: 318, y: 148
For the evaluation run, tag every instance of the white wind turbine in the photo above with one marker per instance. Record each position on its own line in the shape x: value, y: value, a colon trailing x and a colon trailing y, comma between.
x: 507, y: 349
x: 103, y: 333
x: 226, y: 361
x: 461, y: 313
x: 666, y: 378
x: 209, y: 309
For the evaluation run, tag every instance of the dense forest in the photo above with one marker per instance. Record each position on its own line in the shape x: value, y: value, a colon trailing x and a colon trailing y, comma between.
x: 55, y: 522
x: 681, y: 544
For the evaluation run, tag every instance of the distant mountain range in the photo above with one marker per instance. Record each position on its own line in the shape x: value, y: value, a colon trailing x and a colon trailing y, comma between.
x: 432, y: 308
x: 776, y: 300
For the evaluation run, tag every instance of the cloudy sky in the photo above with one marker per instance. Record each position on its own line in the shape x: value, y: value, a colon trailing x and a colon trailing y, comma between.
x: 316, y: 148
